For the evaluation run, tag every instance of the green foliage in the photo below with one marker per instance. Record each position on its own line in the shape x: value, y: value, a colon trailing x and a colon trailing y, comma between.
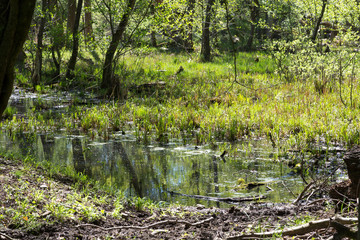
x: 140, y: 204
x: 202, y: 104
x: 9, y: 112
x: 294, y: 90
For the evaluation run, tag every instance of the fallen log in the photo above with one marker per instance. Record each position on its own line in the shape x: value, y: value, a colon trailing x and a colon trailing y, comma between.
x: 337, y: 223
x: 148, y: 87
x: 148, y: 226
x: 219, y: 199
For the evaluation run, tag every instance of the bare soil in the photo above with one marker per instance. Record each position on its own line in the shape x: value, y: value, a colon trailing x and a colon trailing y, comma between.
x: 177, y: 222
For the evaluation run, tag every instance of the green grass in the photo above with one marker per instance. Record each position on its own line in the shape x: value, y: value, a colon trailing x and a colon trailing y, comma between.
x: 48, y: 202
x: 204, y: 104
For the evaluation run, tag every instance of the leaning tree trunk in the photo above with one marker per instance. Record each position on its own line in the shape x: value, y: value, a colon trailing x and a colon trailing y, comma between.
x: 72, y: 61
x: 205, y: 42
x: 15, y: 19
x: 108, y: 82
x: 317, y: 26
x: 36, y: 77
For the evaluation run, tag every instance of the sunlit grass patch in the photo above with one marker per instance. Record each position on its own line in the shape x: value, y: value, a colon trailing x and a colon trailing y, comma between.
x: 203, y: 103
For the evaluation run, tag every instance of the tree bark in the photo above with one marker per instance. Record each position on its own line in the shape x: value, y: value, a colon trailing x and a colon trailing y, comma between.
x: 71, y: 16
x: 75, y: 49
x: 205, y: 41
x: 352, y: 161
x: 36, y: 77
x: 108, y: 82
x: 15, y: 22
x: 317, y: 26
x: 254, y: 16
x: 88, y: 19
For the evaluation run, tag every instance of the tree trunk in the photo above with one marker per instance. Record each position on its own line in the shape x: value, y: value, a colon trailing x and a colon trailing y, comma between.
x: 15, y: 22
x: 189, y: 43
x: 56, y: 56
x: 108, y: 82
x: 36, y: 77
x: 71, y: 16
x: 254, y: 16
x: 317, y: 26
x: 72, y: 61
x: 205, y: 41
x: 20, y: 60
x: 153, y: 42
x: 56, y: 36
x: 88, y: 20
x: 352, y: 161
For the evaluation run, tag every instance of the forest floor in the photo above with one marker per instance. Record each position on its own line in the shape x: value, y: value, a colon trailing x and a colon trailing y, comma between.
x: 34, y: 205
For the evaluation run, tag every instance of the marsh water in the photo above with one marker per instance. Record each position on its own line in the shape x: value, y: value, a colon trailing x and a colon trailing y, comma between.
x: 156, y: 170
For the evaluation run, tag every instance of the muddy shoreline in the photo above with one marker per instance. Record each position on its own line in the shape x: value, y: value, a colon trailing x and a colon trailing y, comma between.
x: 20, y: 184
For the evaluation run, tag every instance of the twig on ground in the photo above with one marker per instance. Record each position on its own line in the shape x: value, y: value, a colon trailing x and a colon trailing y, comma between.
x: 337, y: 223
x: 317, y: 201
x: 6, y: 236
x: 310, y: 195
x: 301, y: 196
x: 148, y: 226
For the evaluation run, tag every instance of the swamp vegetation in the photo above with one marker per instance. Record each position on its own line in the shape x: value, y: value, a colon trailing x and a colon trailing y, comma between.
x: 180, y: 120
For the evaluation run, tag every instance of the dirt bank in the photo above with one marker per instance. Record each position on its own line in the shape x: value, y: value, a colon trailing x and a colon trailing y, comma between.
x: 36, y: 206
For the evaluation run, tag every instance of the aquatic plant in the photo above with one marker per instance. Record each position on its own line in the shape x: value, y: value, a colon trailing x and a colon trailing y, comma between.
x: 203, y: 104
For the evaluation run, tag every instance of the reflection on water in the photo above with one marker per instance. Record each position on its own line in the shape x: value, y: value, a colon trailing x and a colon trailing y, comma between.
x: 153, y: 171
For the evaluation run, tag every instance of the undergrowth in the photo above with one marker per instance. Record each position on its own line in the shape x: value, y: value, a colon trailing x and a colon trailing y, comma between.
x: 204, y: 103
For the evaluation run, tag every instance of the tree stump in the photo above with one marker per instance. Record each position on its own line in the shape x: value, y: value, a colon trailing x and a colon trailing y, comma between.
x: 342, y: 194
x: 346, y: 192
x: 352, y: 161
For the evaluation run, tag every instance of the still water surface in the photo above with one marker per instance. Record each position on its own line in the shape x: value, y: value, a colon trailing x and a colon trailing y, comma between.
x: 154, y: 171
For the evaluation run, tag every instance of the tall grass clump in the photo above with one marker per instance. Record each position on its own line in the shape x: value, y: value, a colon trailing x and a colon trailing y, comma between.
x: 294, y: 96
